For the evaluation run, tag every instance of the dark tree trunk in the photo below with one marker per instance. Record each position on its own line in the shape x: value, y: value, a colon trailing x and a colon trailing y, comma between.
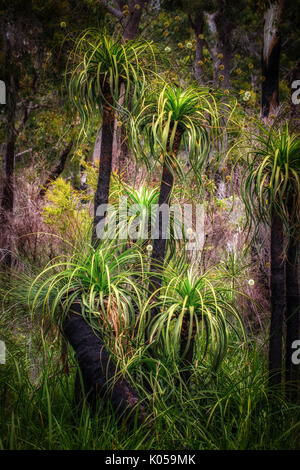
x: 159, y: 243
x: 295, y: 98
x: 105, y: 166
x: 292, y: 316
x: 187, y: 360
x: 57, y: 171
x: 99, y: 373
x: 7, y: 201
x: 270, y: 59
x: 277, y: 301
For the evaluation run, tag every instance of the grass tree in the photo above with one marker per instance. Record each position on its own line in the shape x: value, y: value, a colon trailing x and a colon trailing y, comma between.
x: 170, y: 117
x: 271, y: 192
x: 92, y: 296
x: 195, y: 318
x: 103, y: 66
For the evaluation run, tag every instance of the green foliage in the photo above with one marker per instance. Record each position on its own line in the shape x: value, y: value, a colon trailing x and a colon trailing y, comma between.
x: 100, y: 64
x: 225, y: 403
x: 272, y: 179
x: 65, y: 211
x: 138, y: 219
x: 202, y: 303
x: 106, y: 281
x: 231, y: 412
x: 171, y: 109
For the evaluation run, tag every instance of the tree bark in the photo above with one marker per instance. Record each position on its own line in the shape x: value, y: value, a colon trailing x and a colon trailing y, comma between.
x: 188, y: 358
x: 105, y: 166
x: 292, y: 316
x: 277, y: 301
x: 99, y: 373
x: 270, y: 59
x: 295, y: 98
x: 7, y: 201
x: 166, y: 186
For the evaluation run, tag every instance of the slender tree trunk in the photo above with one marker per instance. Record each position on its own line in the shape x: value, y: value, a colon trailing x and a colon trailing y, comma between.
x: 188, y: 358
x: 277, y: 301
x: 292, y: 316
x: 7, y: 201
x: 57, y: 171
x: 166, y: 186
x: 295, y: 98
x: 99, y: 373
x: 270, y: 59
x: 105, y: 167
x: 159, y: 244
x: 129, y: 14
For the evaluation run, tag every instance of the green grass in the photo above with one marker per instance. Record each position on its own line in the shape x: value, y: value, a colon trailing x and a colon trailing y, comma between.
x: 230, y: 410
x: 224, y: 407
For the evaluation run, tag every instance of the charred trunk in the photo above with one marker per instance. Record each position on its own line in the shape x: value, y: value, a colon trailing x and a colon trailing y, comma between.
x: 277, y: 301
x: 292, y: 316
x: 7, y: 200
x: 187, y: 359
x: 166, y: 186
x: 99, y: 373
x: 295, y: 98
x: 105, y: 166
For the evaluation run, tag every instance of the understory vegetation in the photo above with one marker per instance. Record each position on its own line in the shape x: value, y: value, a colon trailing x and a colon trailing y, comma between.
x: 149, y: 222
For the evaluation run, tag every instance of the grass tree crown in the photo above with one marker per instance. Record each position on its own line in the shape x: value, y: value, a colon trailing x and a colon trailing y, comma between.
x: 272, y: 179
x: 100, y: 64
x: 170, y: 115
